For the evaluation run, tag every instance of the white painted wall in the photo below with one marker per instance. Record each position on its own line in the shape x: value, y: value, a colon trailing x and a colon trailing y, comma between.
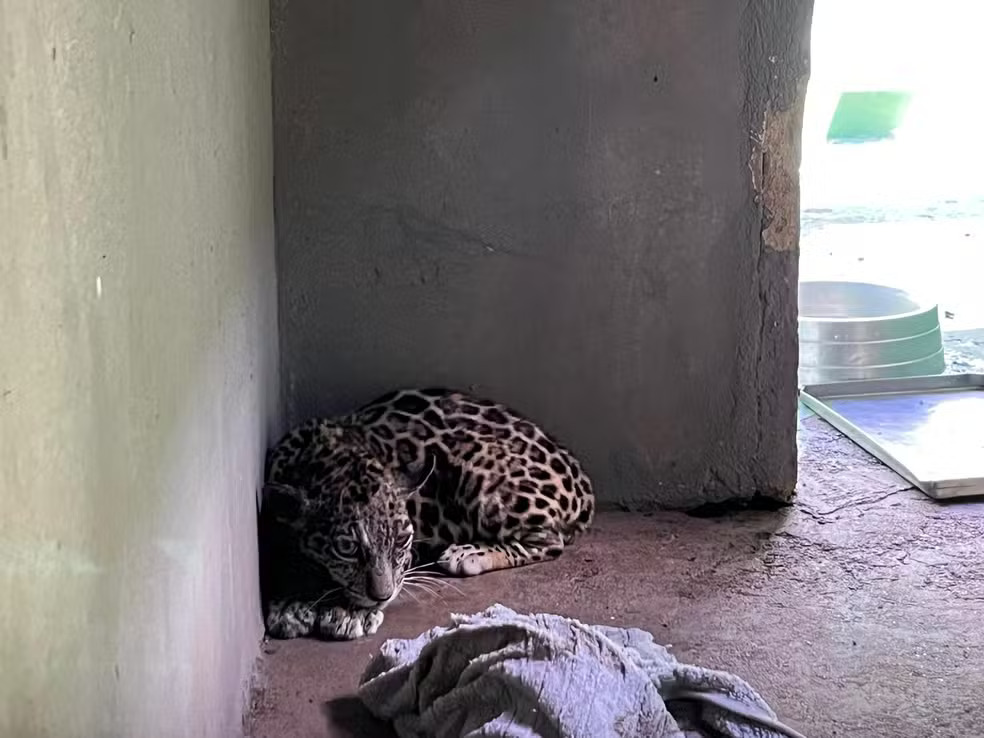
x: 138, y: 363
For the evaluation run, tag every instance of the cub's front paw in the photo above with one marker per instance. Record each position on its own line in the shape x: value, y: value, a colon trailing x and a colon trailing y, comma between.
x: 290, y: 619
x: 341, y: 624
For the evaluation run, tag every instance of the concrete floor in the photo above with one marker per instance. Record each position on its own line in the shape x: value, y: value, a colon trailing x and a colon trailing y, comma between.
x: 858, y: 612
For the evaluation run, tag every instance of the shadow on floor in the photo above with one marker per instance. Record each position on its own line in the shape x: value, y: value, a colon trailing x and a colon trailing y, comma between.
x: 347, y: 718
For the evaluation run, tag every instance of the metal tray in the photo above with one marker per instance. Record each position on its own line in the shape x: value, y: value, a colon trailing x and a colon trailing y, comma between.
x: 928, y: 429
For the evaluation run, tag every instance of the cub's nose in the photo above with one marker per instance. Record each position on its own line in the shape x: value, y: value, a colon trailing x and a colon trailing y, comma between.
x: 379, y: 585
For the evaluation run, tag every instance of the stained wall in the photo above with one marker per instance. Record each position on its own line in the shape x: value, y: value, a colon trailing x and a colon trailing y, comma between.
x: 587, y: 209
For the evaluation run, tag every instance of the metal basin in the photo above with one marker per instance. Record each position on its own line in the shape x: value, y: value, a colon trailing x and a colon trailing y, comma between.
x: 856, y: 330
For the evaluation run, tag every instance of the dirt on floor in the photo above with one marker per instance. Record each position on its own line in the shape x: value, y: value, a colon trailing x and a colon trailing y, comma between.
x: 857, y: 612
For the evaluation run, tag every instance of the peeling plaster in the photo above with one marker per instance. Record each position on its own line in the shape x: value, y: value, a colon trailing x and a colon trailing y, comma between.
x: 774, y: 167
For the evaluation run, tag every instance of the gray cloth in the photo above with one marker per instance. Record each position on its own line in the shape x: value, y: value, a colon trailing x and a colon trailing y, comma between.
x: 502, y: 674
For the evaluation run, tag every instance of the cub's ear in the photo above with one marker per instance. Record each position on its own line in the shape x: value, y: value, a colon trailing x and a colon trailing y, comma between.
x: 411, y: 480
x: 285, y: 504
x: 403, y: 481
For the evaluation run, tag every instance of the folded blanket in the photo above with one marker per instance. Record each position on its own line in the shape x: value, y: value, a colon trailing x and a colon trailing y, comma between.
x: 505, y: 675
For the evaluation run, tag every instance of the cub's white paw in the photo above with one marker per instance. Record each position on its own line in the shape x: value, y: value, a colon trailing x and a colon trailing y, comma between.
x: 464, y: 561
x: 348, y: 625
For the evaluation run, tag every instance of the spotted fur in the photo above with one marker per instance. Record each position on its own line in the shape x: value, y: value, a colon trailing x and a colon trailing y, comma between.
x: 432, y: 470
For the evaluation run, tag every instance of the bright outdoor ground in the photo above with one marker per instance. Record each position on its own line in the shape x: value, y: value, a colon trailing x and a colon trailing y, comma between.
x: 907, y: 212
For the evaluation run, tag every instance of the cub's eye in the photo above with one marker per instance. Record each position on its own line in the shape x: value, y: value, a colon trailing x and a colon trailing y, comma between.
x: 345, y: 547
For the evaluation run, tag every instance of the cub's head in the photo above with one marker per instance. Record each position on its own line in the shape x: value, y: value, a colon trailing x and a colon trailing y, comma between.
x: 354, y: 523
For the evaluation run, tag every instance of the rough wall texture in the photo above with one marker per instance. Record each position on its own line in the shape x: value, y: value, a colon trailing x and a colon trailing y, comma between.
x: 138, y: 367
x: 555, y: 204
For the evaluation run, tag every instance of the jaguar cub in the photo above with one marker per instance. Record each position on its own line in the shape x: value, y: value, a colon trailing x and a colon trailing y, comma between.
x: 463, y: 482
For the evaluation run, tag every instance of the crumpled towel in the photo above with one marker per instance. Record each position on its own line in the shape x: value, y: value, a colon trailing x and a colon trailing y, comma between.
x: 504, y: 675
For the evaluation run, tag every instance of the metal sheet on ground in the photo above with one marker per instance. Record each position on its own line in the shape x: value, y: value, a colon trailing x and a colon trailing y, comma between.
x: 928, y: 429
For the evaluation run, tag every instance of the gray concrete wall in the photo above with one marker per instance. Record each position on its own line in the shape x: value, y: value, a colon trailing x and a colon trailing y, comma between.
x: 584, y: 208
x: 138, y: 368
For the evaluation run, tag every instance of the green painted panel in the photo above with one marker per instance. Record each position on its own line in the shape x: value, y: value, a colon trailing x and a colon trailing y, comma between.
x: 868, y: 116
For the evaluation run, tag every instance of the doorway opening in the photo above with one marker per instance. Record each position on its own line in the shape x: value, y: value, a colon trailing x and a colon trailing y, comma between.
x: 891, y: 183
